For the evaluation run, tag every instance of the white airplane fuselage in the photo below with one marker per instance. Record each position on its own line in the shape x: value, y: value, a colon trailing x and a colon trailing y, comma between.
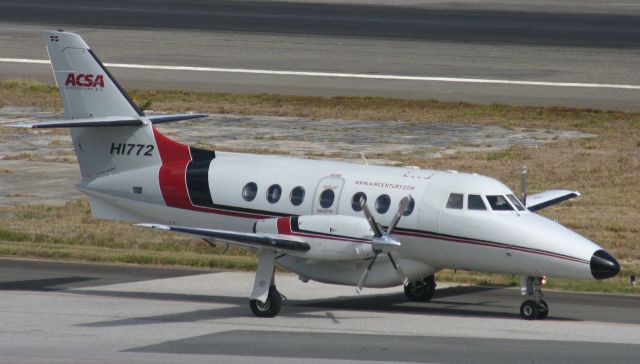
x: 433, y: 236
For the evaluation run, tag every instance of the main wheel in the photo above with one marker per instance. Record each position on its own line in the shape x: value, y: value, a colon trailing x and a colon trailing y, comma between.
x: 270, y: 308
x: 544, y: 310
x: 529, y: 310
x: 422, y: 290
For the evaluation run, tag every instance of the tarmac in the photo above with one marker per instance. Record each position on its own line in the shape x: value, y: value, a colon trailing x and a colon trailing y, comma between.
x: 54, y: 312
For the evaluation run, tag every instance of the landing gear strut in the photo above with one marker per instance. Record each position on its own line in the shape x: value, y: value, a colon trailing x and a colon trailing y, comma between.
x: 421, y: 290
x: 537, y: 308
x: 265, y: 300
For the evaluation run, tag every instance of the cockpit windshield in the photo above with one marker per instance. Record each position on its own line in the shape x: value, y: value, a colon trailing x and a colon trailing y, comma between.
x: 476, y: 202
x: 514, y: 200
x: 499, y: 203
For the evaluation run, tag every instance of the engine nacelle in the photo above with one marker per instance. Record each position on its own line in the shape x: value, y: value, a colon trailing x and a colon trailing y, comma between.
x: 331, y: 237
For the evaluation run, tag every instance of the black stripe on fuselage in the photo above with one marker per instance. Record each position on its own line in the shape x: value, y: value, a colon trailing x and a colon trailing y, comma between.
x: 197, y: 177
x: 486, y: 243
x: 399, y: 231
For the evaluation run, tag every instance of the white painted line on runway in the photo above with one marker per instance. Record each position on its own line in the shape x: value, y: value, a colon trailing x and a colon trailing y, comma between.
x: 345, y: 75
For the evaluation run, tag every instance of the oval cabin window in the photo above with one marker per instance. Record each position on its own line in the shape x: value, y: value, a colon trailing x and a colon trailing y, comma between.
x: 273, y: 193
x: 382, y: 203
x: 249, y: 191
x: 355, y: 201
x: 326, y: 198
x: 297, y: 196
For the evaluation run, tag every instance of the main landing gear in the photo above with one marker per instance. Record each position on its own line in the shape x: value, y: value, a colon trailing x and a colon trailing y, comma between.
x: 421, y: 290
x: 537, y: 308
x: 265, y: 300
x: 270, y: 307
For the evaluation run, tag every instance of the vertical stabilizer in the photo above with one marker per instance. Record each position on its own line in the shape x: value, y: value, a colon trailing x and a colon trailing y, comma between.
x: 87, y: 89
x: 89, y: 92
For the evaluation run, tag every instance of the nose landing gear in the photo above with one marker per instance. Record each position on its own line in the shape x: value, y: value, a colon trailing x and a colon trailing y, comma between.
x: 536, y: 309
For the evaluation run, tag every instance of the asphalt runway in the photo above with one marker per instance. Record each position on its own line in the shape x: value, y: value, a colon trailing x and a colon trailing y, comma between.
x: 72, y: 312
x: 573, y: 42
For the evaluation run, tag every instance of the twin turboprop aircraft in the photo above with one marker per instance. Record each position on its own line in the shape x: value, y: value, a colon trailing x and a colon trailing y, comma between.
x: 327, y: 221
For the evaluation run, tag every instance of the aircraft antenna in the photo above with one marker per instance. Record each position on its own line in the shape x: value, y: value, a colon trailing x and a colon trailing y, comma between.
x: 364, y: 159
x: 523, y: 184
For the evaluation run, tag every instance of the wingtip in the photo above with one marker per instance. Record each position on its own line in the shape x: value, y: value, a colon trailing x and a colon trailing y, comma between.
x: 153, y: 226
x: 24, y: 126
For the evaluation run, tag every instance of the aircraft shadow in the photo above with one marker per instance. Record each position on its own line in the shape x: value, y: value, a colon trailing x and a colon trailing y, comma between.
x: 441, y: 305
x: 45, y: 284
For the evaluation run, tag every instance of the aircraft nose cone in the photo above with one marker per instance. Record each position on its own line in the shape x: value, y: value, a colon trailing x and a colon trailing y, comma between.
x: 603, y: 265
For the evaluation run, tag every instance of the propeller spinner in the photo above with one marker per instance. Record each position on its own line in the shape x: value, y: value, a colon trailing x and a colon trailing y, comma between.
x: 383, y: 241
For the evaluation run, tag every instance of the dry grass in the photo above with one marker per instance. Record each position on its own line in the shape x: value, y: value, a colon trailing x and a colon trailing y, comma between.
x: 605, y: 169
x: 59, y: 157
x: 69, y: 231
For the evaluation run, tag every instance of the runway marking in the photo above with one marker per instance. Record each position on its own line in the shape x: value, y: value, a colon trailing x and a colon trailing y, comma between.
x: 345, y: 75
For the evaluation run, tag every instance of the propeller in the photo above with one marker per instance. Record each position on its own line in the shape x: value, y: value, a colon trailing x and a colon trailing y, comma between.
x: 383, y: 241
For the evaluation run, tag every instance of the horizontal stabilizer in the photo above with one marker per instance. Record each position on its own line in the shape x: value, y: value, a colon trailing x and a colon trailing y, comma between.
x: 547, y: 198
x: 108, y: 121
x: 83, y: 123
x: 276, y: 242
x: 158, y: 119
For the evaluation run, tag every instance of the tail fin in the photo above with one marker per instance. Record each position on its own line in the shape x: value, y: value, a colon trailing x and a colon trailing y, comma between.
x: 110, y: 134
x: 87, y: 89
x: 117, y: 147
x: 92, y: 100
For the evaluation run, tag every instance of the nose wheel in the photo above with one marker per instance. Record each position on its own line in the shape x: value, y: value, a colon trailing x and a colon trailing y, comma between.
x: 421, y: 290
x: 532, y: 310
x: 536, y: 308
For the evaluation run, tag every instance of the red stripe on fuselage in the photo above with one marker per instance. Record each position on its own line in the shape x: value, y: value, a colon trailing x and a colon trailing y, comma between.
x: 173, y: 184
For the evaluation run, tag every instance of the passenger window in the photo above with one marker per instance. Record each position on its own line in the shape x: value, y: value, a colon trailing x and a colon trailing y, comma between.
x: 382, y: 203
x: 355, y: 201
x: 273, y: 193
x: 326, y: 198
x: 499, y: 203
x: 455, y: 201
x: 249, y: 191
x: 474, y: 202
x: 409, y: 208
x: 514, y: 200
x: 297, y: 196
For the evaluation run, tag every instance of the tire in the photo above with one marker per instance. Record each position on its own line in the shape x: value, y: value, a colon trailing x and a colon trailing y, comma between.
x: 544, y: 310
x: 270, y: 308
x: 422, y: 290
x: 529, y: 310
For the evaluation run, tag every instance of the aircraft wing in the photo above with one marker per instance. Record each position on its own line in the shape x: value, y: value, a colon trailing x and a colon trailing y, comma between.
x: 256, y: 240
x: 544, y: 199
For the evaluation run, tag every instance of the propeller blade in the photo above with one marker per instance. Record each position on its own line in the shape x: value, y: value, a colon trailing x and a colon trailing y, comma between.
x: 365, y: 274
x: 402, y: 207
x: 372, y: 222
x: 396, y: 266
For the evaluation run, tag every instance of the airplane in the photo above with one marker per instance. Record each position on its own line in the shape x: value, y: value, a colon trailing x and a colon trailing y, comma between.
x: 312, y: 217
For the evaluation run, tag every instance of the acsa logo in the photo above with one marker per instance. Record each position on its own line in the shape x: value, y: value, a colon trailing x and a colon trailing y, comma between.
x: 84, y: 80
